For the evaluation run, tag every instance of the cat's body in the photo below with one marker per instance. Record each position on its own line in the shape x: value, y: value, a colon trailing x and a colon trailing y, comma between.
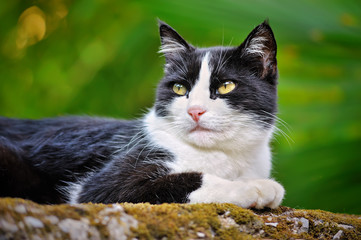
x: 205, y: 140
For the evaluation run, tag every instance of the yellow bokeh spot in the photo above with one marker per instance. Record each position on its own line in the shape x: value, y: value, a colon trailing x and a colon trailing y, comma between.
x: 60, y: 9
x: 31, y: 27
x: 348, y: 20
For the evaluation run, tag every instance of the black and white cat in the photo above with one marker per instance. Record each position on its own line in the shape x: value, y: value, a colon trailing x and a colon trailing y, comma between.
x: 205, y: 140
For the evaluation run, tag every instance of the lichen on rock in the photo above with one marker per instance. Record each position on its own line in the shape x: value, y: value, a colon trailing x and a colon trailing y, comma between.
x: 22, y: 219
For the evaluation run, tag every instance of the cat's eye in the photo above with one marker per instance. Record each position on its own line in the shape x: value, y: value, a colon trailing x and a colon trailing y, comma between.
x: 226, y: 87
x: 179, y: 89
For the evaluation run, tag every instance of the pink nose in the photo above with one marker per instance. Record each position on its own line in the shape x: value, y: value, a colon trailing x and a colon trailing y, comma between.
x: 196, y: 112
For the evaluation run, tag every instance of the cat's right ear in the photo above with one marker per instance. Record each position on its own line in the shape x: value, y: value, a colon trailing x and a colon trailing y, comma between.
x: 171, y: 42
x: 260, y: 49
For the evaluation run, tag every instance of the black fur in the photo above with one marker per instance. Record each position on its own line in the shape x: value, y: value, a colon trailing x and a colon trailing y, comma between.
x: 52, y: 152
x: 113, y: 159
x: 40, y: 157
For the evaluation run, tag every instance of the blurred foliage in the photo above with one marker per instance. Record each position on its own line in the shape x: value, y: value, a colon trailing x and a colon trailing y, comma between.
x: 98, y: 57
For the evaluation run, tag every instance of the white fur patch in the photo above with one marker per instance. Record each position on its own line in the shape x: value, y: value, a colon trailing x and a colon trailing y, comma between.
x: 74, y: 191
x: 171, y: 46
x: 200, y: 94
x: 257, y: 46
x: 258, y: 193
x: 232, y: 159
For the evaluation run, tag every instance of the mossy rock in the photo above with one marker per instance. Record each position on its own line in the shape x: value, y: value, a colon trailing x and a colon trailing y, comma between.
x: 22, y: 219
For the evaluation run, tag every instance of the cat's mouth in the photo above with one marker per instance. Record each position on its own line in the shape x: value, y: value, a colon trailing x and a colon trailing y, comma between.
x: 199, y: 128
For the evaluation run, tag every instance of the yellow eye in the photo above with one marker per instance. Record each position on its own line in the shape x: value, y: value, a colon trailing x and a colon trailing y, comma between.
x: 179, y: 89
x: 226, y: 87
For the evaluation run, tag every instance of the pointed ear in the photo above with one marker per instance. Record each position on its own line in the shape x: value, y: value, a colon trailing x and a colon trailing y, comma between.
x: 260, y: 46
x: 171, y: 42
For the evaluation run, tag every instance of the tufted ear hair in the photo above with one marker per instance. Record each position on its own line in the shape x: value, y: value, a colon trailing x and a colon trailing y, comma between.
x: 171, y: 42
x: 260, y: 48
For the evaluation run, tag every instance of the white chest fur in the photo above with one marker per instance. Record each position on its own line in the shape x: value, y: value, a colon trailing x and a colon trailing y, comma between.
x: 247, y: 161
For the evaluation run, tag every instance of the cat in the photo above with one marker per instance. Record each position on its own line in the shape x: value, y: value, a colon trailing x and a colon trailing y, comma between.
x: 205, y: 140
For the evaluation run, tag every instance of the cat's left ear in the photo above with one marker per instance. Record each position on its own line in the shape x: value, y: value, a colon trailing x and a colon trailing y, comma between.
x: 171, y: 42
x: 260, y: 48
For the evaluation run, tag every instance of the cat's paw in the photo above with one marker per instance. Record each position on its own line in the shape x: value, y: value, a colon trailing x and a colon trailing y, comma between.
x: 265, y: 192
x: 255, y: 193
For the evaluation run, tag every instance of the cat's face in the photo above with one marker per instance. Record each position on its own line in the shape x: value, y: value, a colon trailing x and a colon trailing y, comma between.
x: 217, y: 96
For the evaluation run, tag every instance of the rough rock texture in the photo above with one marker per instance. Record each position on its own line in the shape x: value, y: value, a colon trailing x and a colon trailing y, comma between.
x: 21, y: 219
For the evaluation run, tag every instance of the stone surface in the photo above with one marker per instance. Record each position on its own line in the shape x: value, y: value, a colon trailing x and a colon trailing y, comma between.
x: 22, y: 219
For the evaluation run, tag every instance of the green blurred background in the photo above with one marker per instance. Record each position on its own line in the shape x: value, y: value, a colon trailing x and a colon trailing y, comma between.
x: 99, y: 57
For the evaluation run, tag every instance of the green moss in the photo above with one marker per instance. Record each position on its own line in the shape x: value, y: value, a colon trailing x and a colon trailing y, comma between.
x: 179, y: 221
x: 322, y: 224
x: 328, y: 224
x: 182, y: 221
x: 169, y: 220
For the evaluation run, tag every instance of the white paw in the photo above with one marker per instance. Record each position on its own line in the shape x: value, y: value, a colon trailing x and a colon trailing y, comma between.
x: 267, y: 193
x: 257, y: 193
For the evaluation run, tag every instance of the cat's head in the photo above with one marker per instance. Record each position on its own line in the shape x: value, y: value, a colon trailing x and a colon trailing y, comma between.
x: 220, y: 95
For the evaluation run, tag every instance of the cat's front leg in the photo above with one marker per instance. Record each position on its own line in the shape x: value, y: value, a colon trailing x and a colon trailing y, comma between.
x: 247, y: 193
